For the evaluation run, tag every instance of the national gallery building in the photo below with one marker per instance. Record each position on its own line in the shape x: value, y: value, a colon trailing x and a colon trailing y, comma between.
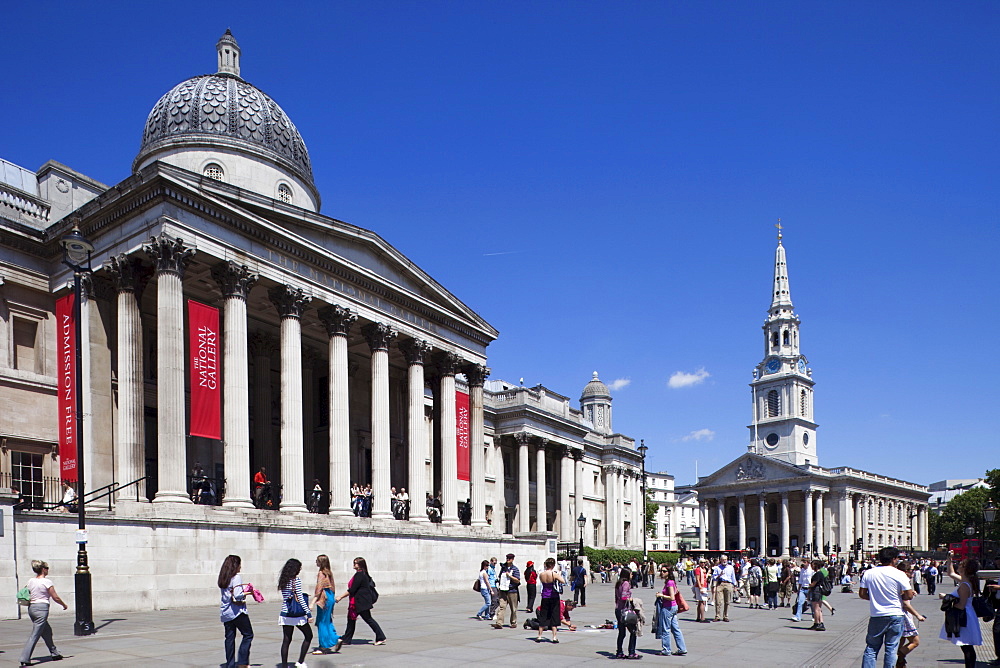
x: 230, y: 330
x: 776, y: 498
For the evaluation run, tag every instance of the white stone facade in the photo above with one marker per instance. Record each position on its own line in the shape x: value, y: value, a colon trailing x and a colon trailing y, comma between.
x: 677, y: 514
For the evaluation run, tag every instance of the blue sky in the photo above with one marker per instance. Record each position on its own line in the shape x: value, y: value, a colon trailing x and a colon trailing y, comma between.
x: 600, y: 181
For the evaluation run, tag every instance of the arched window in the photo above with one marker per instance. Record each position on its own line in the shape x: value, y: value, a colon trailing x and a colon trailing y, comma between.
x: 214, y: 171
x: 803, y: 404
x: 881, y: 516
x: 784, y: 337
x: 774, y: 339
x: 285, y: 194
x: 773, y: 404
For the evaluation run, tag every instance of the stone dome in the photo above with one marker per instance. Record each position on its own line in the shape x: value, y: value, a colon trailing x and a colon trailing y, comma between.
x: 595, y: 388
x: 223, y: 111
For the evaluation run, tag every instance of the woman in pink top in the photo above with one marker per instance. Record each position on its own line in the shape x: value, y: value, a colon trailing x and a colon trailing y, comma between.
x: 666, y: 616
x: 623, y: 599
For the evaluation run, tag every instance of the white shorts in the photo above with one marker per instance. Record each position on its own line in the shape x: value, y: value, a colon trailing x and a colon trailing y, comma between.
x: 700, y: 593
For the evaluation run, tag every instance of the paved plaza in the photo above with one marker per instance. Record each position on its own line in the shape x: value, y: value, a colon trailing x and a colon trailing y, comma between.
x: 439, y: 630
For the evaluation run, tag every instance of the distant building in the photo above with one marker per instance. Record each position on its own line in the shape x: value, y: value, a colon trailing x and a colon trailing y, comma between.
x: 776, y: 498
x: 943, y: 491
x: 676, y: 519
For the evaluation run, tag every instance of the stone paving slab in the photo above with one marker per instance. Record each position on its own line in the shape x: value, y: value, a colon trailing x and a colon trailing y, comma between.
x: 439, y: 631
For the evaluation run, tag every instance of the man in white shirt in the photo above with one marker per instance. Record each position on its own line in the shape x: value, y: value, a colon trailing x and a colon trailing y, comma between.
x: 723, y: 581
x: 805, y: 578
x: 885, y: 588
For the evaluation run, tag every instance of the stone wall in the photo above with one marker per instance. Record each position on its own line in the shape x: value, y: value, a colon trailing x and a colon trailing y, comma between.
x: 157, y: 556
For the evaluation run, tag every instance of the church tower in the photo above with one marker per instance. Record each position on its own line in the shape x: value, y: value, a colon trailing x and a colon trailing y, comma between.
x: 783, y: 426
x: 595, y: 402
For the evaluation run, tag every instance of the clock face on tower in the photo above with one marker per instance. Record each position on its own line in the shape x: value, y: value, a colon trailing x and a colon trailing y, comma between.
x: 772, y: 365
x: 802, y: 366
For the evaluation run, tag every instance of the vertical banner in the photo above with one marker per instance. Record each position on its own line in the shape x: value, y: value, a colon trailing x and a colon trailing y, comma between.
x: 462, y: 434
x: 206, y: 391
x: 66, y: 354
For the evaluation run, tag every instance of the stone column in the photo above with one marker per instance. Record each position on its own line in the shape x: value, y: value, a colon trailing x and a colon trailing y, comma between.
x: 843, y: 520
x: 808, y: 529
x: 448, y: 365
x: 291, y: 302
x: 171, y: 257
x: 859, y: 522
x: 620, y: 506
x: 378, y: 336
x: 262, y: 348
x: 338, y: 321
x: 784, y: 525
x: 499, y: 488
x: 567, y: 524
x: 236, y: 281
x: 415, y: 351
x: 741, y: 521
x: 818, y: 518
x: 541, y: 507
x: 578, y: 493
x: 720, y: 507
x: 762, y: 521
x: 523, y: 488
x: 476, y: 375
x: 130, y: 451
x: 702, y: 525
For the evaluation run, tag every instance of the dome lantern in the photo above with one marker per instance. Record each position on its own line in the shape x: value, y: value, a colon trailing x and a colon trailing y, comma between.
x: 229, y: 54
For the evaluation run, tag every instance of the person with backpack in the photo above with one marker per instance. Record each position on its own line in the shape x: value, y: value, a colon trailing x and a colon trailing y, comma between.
x: 580, y: 576
x: 666, y: 616
x: 755, y: 580
x: 819, y: 587
x: 363, y: 596
x: 627, y: 618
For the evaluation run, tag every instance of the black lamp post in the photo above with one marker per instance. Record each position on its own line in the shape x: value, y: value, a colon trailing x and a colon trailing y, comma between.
x: 581, y: 522
x: 990, y: 512
x: 76, y: 255
x: 642, y: 451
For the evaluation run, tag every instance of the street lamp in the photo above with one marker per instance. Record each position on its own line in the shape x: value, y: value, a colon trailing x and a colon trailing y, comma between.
x: 970, y: 531
x: 642, y: 451
x: 76, y: 255
x: 990, y: 511
x: 581, y: 522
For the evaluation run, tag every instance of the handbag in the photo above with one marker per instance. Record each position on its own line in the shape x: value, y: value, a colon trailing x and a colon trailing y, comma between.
x: 477, y: 585
x: 983, y: 608
x: 23, y: 596
x: 682, y: 605
x: 629, y: 616
x: 294, y: 609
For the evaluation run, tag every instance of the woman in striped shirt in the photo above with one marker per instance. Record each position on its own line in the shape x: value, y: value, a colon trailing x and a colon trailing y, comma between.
x: 293, y: 615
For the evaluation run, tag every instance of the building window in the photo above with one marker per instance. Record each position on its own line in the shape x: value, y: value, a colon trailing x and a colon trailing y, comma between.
x: 773, y: 404
x: 26, y: 472
x: 597, y: 532
x: 784, y: 337
x: 803, y: 404
x: 25, y: 339
x: 626, y: 528
x: 285, y: 193
x: 774, y: 339
x: 214, y: 171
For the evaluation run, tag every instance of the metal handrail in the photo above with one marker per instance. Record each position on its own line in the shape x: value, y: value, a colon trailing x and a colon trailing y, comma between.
x: 111, y: 489
x: 117, y: 488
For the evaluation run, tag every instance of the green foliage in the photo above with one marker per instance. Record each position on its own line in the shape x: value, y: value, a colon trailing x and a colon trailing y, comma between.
x: 964, y: 510
x: 625, y: 556
x: 993, y: 480
x: 651, y: 508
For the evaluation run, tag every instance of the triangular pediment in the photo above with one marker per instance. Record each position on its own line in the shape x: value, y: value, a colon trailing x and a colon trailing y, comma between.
x: 322, y: 242
x: 752, y: 469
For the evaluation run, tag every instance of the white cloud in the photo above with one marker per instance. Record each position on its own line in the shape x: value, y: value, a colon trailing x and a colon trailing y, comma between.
x: 619, y: 384
x: 699, y: 435
x: 684, y: 379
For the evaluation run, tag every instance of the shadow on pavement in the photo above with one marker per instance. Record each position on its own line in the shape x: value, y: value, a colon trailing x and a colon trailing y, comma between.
x: 108, y: 622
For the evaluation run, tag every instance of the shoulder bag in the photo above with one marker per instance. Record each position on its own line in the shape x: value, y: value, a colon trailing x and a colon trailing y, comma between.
x: 23, y: 596
x: 477, y: 585
x: 294, y: 609
x: 682, y: 605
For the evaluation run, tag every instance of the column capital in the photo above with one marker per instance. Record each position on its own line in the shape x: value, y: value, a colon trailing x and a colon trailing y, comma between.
x: 290, y: 301
x: 577, y: 453
x: 522, y: 438
x: 130, y: 273
x: 337, y: 319
x: 235, y: 280
x: 448, y: 364
x: 169, y: 254
x: 262, y: 344
x: 378, y: 335
x: 414, y: 350
x: 476, y: 374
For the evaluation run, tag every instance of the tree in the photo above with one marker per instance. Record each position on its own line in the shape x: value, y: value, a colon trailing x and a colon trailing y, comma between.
x: 651, y: 510
x: 963, y: 511
x: 993, y: 480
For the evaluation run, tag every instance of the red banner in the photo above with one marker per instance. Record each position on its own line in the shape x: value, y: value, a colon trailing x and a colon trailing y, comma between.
x: 206, y: 390
x: 66, y: 355
x: 462, y: 434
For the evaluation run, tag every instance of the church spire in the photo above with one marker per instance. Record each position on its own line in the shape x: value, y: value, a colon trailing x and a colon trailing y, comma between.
x: 781, y: 298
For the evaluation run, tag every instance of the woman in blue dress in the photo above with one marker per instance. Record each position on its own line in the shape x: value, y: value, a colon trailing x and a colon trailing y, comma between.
x: 324, y: 598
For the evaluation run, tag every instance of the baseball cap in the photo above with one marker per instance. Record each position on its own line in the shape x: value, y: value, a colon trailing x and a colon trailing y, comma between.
x: 510, y: 556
